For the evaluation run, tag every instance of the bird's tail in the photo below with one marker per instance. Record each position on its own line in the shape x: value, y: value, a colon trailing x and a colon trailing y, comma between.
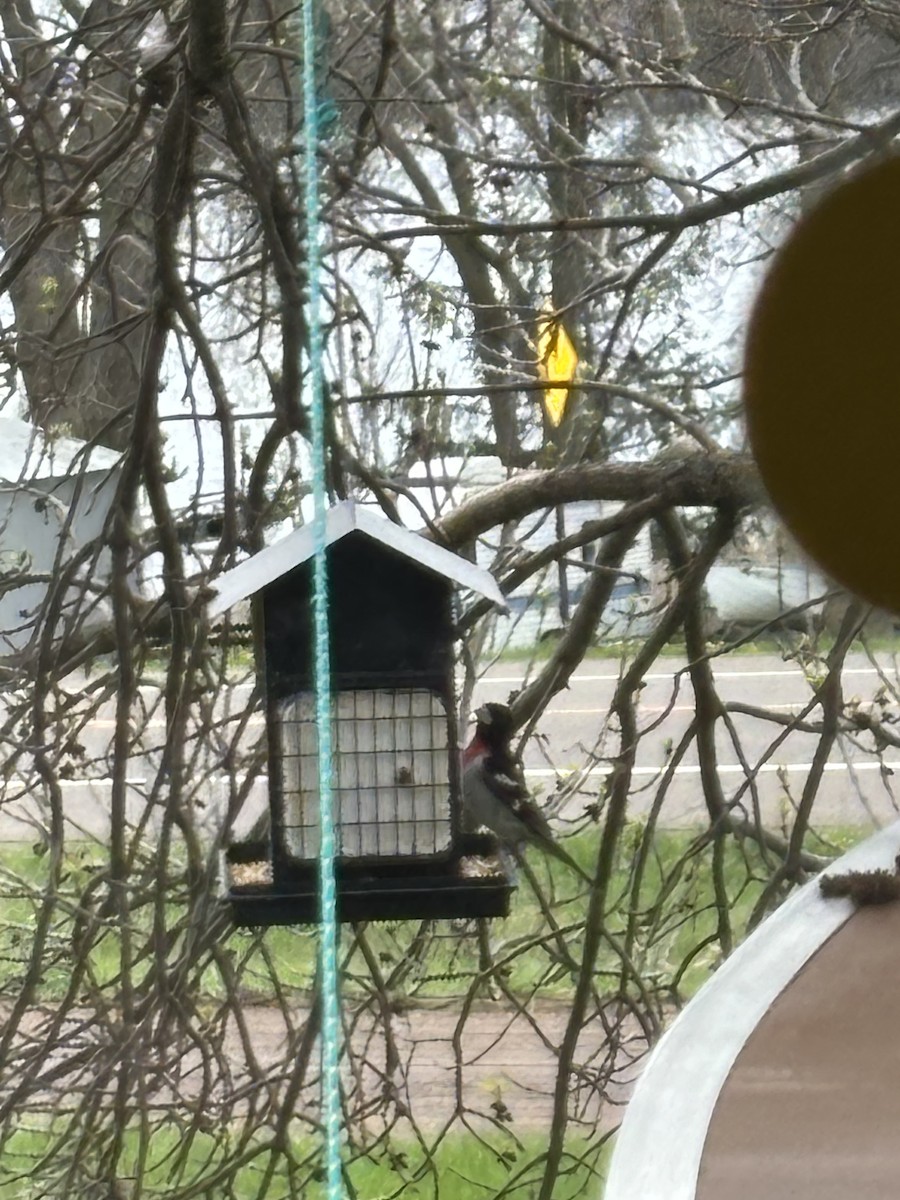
x: 564, y: 856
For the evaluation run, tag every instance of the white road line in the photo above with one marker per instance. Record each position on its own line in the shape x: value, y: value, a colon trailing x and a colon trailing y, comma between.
x: 574, y: 679
x: 723, y: 769
x: 159, y: 723
x: 599, y: 772
x: 153, y: 690
x: 658, y: 708
x: 253, y: 722
x: 101, y: 781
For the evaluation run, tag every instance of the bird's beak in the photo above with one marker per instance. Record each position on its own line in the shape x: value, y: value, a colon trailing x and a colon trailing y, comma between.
x: 483, y: 715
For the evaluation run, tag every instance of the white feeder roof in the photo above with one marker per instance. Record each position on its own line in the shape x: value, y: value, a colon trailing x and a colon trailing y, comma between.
x: 263, y: 568
x: 28, y: 453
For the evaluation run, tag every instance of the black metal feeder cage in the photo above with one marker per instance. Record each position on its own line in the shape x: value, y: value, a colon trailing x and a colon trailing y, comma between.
x: 401, y: 849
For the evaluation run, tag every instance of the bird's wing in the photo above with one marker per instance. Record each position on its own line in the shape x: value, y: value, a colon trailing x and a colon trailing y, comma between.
x: 497, y: 796
x: 534, y: 821
x: 506, y: 778
x: 509, y: 783
x: 490, y: 798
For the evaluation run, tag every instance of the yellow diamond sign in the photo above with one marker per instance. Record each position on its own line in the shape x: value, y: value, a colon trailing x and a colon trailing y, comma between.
x: 557, y: 361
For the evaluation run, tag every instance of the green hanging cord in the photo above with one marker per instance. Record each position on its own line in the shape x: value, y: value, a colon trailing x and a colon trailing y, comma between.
x: 328, y: 926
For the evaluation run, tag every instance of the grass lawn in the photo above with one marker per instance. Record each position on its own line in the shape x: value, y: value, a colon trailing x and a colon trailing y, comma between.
x: 674, y: 914
x: 672, y: 908
x: 673, y: 904
x: 35, y: 1162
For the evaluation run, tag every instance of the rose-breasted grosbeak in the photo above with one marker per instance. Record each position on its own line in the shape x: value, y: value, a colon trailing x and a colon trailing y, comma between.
x: 494, y: 791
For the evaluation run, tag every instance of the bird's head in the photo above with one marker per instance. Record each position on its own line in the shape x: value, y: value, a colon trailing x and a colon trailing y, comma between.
x: 494, y: 724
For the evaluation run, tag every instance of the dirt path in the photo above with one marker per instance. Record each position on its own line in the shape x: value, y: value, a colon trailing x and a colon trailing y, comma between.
x: 431, y: 1066
x: 494, y: 1063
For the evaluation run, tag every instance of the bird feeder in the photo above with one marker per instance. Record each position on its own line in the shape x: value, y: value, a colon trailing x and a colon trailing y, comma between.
x: 397, y: 803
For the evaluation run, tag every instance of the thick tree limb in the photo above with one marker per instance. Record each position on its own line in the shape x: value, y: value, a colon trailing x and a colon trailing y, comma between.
x: 694, y: 480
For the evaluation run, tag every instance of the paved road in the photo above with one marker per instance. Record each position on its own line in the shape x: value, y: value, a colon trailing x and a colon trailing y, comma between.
x: 854, y: 790
x: 574, y: 748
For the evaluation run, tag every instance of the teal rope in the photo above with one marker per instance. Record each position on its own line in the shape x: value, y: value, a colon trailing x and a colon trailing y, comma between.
x: 328, y: 926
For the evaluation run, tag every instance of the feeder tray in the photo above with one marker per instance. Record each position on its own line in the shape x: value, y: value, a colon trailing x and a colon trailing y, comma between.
x: 471, y: 884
